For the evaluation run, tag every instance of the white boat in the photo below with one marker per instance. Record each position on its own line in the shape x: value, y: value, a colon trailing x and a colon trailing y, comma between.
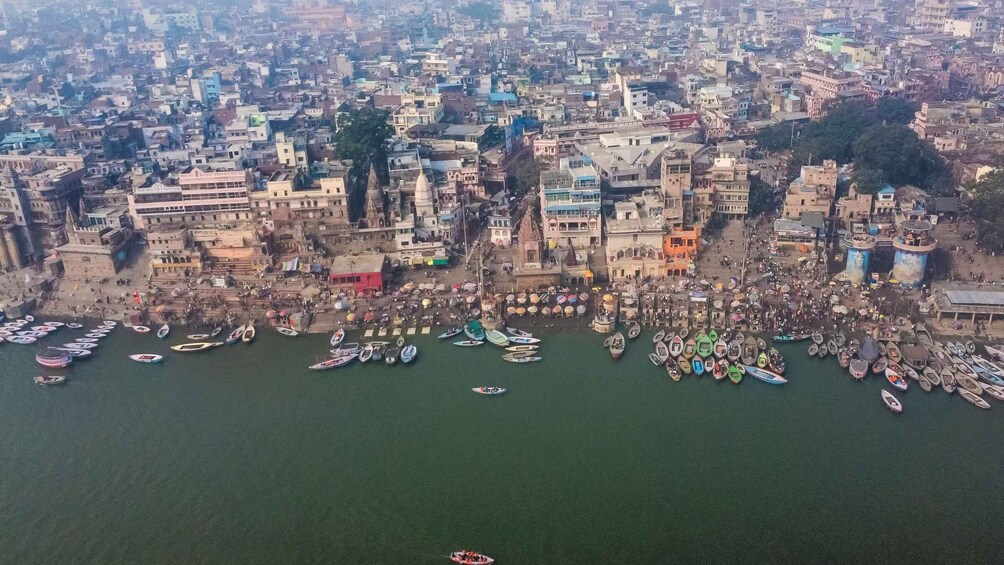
x: 519, y: 340
x: 522, y: 348
x: 147, y: 358
x: 512, y: 359
x: 974, y: 399
x: 74, y: 326
x: 891, y: 401
x: 468, y: 343
x: 198, y: 346
x: 249, y: 333
x: 408, y: 354
x: 216, y: 331
x: 43, y: 328
x: 287, y: 331
x: 76, y: 353
x: 95, y: 335
x: 54, y: 324
x: 198, y: 337
x: 163, y: 331
x: 367, y: 353
x: 332, y: 363
x: 661, y: 351
x: 518, y: 333
x: 21, y: 339
x: 32, y: 333
x: 141, y: 329
x: 337, y: 338
x: 78, y: 345
x: 47, y: 380
x: 996, y: 351
x: 235, y: 335
x: 111, y: 323
x: 86, y: 340
x: 29, y: 318
x: 489, y: 390
x: 658, y: 336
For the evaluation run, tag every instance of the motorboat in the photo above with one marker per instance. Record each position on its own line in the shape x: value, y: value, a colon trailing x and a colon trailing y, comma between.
x: 249, y: 334
x: 332, y: 363
x: 147, y: 358
x: 86, y: 340
x: 497, y: 338
x: 765, y: 375
x: 488, y: 391
x: 519, y: 340
x: 50, y: 380
x: 468, y: 343
x: 391, y: 356
x: 448, y: 333
x: 518, y: 348
x: 617, y: 346
x: 858, y: 368
x: 195, y: 346
x: 661, y: 351
x: 141, y: 329
x: 337, y: 338
x: 518, y: 333
x: 676, y: 346
x: 408, y: 354
x: 163, y: 331
x: 287, y: 331
x: 891, y: 401
x: 895, y: 379
x: 974, y: 399
x: 474, y: 330
x: 658, y: 336
x: 77, y: 345
x: 53, y: 358
x: 236, y: 335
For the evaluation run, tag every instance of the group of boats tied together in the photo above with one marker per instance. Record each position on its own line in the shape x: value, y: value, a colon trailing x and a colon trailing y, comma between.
x: 344, y: 353
x: 951, y: 365
x: 721, y: 355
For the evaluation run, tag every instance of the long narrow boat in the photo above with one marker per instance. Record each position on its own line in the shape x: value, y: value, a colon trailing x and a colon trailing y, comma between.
x: 764, y: 375
x: 497, y: 338
x: 287, y: 331
x: 74, y: 345
x: 146, y: 358
x: 974, y: 399
x: 891, y: 401
x: 198, y: 337
x: 468, y: 343
x: 994, y: 391
x: 471, y: 557
x: 197, y: 346
x: 676, y: 346
x: 332, y: 363
x: 50, y: 380
x: 489, y: 390
x: 947, y: 380
x: 523, y: 340
x: 236, y: 335
x: 518, y: 332
x: 452, y: 332
x: 510, y: 358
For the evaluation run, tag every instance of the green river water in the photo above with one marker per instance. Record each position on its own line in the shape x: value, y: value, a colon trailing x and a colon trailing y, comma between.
x: 241, y: 455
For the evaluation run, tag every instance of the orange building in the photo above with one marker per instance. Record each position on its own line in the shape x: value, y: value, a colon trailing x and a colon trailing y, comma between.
x: 680, y: 247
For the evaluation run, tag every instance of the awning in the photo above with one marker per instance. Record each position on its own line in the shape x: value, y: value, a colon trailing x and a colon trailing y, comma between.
x: 587, y: 274
x: 293, y: 265
x: 437, y: 261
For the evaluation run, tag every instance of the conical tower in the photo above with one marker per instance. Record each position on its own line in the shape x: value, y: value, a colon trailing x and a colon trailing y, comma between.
x: 375, y: 213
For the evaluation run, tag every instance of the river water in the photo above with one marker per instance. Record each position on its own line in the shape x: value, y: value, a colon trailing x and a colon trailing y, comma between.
x: 242, y: 455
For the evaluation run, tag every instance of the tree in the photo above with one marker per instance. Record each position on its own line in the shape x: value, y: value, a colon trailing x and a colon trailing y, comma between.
x: 901, y: 157
x: 867, y: 180
x: 525, y: 176
x: 761, y: 199
x: 362, y: 136
x: 481, y: 11
x: 987, y: 208
x: 895, y: 110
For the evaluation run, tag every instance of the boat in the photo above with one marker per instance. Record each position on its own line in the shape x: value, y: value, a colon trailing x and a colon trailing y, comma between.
x: 721, y: 348
x: 843, y: 358
x: 235, y: 335
x: 995, y: 351
x: 29, y: 318
x: 518, y: 333
x: 689, y: 348
x: 974, y: 399
x: 367, y: 353
x: 76, y: 353
x: 895, y: 379
x: 525, y: 348
x: 720, y: 369
x: 489, y: 390
x: 882, y: 349
x: 75, y: 345
x: 378, y: 351
x: 868, y: 351
x: 498, y: 338
x: 470, y: 557
x: 408, y: 354
x: 970, y: 347
x: 761, y: 344
x: 348, y: 348
x: 163, y: 331
x: 735, y: 373
x: 698, y: 365
x: 761, y: 360
x: 86, y: 340
x: 776, y: 361
x: 634, y: 331
x: 196, y: 346
x: 813, y: 349
x: 764, y: 375
x: 21, y: 339
x: 658, y: 336
x: 787, y: 338
x: 705, y: 347
x: 673, y: 370
x: 53, y: 358
x: 858, y: 368
x: 50, y: 380
x: 676, y: 346
x: 684, y: 366
x: 74, y: 326
x: 400, y: 341
x: 817, y: 338
x: 891, y: 401
x: 617, y: 346
x: 95, y: 335
x: 661, y: 351
x: 448, y: 333
x: 840, y: 339
x: 32, y: 333
x: 749, y: 353
x: 141, y: 329
x: 831, y: 346
x: 683, y: 333
x: 287, y: 331
x: 964, y: 382
x: 510, y: 358
x: 332, y: 363
x: 879, y: 366
x: 249, y: 334
x: 734, y: 351
x: 391, y: 355
x: 925, y: 385
x: 713, y: 335
x: 216, y: 331
x: 932, y: 376
x: 146, y: 358
x: 952, y: 348
x: 111, y: 323
x: 46, y: 329
x: 523, y: 340
x: 893, y: 353
x: 655, y: 359
x: 994, y: 391
x: 198, y: 337
x: 822, y: 352
x: 474, y: 330
x: 468, y: 343
x: 947, y: 381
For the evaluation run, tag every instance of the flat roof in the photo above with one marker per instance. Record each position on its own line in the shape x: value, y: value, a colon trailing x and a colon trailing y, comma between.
x: 975, y: 297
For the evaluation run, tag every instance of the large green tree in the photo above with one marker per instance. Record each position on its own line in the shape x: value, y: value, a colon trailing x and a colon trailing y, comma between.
x: 524, y: 176
x: 761, y: 199
x: 361, y: 135
x: 987, y: 208
x: 895, y: 110
x: 901, y: 157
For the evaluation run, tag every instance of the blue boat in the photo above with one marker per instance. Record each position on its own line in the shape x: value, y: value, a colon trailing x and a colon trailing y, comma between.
x: 764, y: 375
x: 790, y: 338
x: 698, y: 364
x: 474, y: 330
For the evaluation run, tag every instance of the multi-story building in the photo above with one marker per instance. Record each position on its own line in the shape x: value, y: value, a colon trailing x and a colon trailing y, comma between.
x: 823, y: 86
x: 729, y: 182
x: 199, y: 198
x: 417, y: 109
x: 301, y: 210
x: 813, y: 191
x: 634, y: 234
x: 570, y: 204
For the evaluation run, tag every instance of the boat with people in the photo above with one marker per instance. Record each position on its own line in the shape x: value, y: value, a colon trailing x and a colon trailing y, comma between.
x: 147, y: 358
x: 53, y: 358
x: 843, y: 358
x: 235, y: 335
x: 408, y: 353
x: 465, y: 557
x: 50, y: 380
x: 489, y: 390
x: 735, y: 351
x: 858, y: 369
x: 163, y: 331
x: 974, y: 399
x: 452, y: 332
x: 249, y: 334
x: 776, y: 361
x: 287, y: 331
x: 196, y: 346
x: 617, y: 345
x: 675, y: 346
x: 474, y: 330
x: 895, y: 378
x: 512, y: 358
x: 468, y: 342
x: 337, y: 338
x: 332, y: 363
x: 673, y: 370
x: 891, y: 401
x: 685, y: 367
x: 497, y: 338
x: 765, y: 375
x: 720, y: 369
x: 76, y: 345
x: 141, y: 329
x: 518, y: 332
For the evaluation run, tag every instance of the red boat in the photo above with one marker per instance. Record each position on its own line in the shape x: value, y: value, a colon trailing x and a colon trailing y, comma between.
x: 470, y: 558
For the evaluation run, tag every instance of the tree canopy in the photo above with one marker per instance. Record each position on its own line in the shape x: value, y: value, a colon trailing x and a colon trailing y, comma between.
x: 481, y: 11
x: 899, y: 157
x: 525, y: 176
x: 361, y: 135
x: 987, y: 208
